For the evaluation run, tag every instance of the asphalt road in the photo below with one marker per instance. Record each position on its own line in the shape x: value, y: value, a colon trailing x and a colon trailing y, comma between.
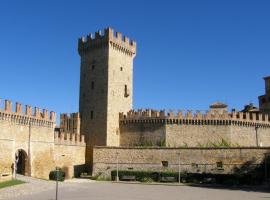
x: 122, y: 191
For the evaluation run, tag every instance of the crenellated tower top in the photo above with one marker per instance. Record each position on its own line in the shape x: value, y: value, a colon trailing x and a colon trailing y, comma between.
x: 106, y: 84
x: 123, y: 43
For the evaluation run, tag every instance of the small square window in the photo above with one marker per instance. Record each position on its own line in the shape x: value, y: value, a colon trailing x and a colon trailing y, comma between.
x: 92, y: 85
x: 121, y: 68
x: 220, y: 165
x: 165, y: 163
x: 194, y: 165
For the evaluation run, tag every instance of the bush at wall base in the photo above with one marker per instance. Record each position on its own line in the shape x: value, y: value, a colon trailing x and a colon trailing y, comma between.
x: 143, y: 175
x: 53, y: 175
x: 201, y: 178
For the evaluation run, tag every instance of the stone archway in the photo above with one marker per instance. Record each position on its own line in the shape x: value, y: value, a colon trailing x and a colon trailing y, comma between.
x: 21, y: 162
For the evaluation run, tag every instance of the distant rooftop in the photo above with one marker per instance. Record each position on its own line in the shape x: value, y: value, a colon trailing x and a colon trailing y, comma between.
x: 218, y: 105
x: 251, y: 108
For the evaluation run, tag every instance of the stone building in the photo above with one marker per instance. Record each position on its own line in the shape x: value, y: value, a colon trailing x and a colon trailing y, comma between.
x: 264, y: 100
x: 107, y: 125
x: 29, y: 142
x: 106, y: 85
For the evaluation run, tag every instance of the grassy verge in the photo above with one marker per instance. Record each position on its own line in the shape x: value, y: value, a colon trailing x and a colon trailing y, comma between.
x: 10, y: 183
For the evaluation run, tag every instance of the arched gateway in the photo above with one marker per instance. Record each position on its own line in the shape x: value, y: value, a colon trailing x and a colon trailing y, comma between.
x: 21, y: 162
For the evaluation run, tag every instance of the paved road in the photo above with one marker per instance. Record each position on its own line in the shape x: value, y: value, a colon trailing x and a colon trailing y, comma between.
x: 118, y: 191
x: 30, y: 187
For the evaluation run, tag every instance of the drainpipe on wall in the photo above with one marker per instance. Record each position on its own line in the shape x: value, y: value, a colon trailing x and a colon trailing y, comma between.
x: 256, y: 131
x: 14, y: 156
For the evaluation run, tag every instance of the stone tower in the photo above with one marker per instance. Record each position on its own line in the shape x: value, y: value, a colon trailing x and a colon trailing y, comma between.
x: 264, y: 100
x: 70, y: 123
x: 106, y: 85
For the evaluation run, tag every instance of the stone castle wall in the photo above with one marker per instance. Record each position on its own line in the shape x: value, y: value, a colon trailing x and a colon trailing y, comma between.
x: 34, y: 135
x: 203, y: 135
x: 246, y: 135
x: 69, y: 153
x: 196, y: 135
x: 142, y: 133
x: 197, y: 160
x: 17, y: 129
x: 193, y: 130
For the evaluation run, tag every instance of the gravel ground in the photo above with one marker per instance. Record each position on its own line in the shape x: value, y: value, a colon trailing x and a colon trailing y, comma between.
x: 31, y: 186
x: 87, y: 190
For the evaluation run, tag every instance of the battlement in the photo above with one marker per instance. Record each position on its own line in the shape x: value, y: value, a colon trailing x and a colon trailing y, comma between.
x: 27, y: 116
x: 70, y: 115
x: 210, y: 117
x: 70, y: 123
x: 68, y: 139
x: 162, y: 114
x: 108, y: 37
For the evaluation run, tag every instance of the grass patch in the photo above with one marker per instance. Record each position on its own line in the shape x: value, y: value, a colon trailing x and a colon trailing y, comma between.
x: 10, y: 183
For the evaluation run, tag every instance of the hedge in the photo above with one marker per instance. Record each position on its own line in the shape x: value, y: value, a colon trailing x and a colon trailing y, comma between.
x: 140, y: 175
x: 53, y: 175
x: 225, y: 179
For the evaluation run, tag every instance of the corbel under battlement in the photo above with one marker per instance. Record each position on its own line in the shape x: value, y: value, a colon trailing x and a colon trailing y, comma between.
x: 63, y: 138
x: 108, y: 37
x: 26, y: 117
x: 208, y: 118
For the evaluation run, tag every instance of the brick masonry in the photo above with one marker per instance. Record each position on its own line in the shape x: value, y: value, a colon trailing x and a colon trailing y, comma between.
x: 191, y: 159
x: 194, y: 129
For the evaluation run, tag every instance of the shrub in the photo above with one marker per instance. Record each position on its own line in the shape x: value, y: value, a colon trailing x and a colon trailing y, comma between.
x: 138, y: 174
x: 224, y: 179
x: 144, y: 176
x: 147, y: 180
x: 208, y: 178
x: 53, y: 175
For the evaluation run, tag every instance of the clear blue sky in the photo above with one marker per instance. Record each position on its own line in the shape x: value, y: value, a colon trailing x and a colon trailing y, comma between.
x: 189, y: 53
